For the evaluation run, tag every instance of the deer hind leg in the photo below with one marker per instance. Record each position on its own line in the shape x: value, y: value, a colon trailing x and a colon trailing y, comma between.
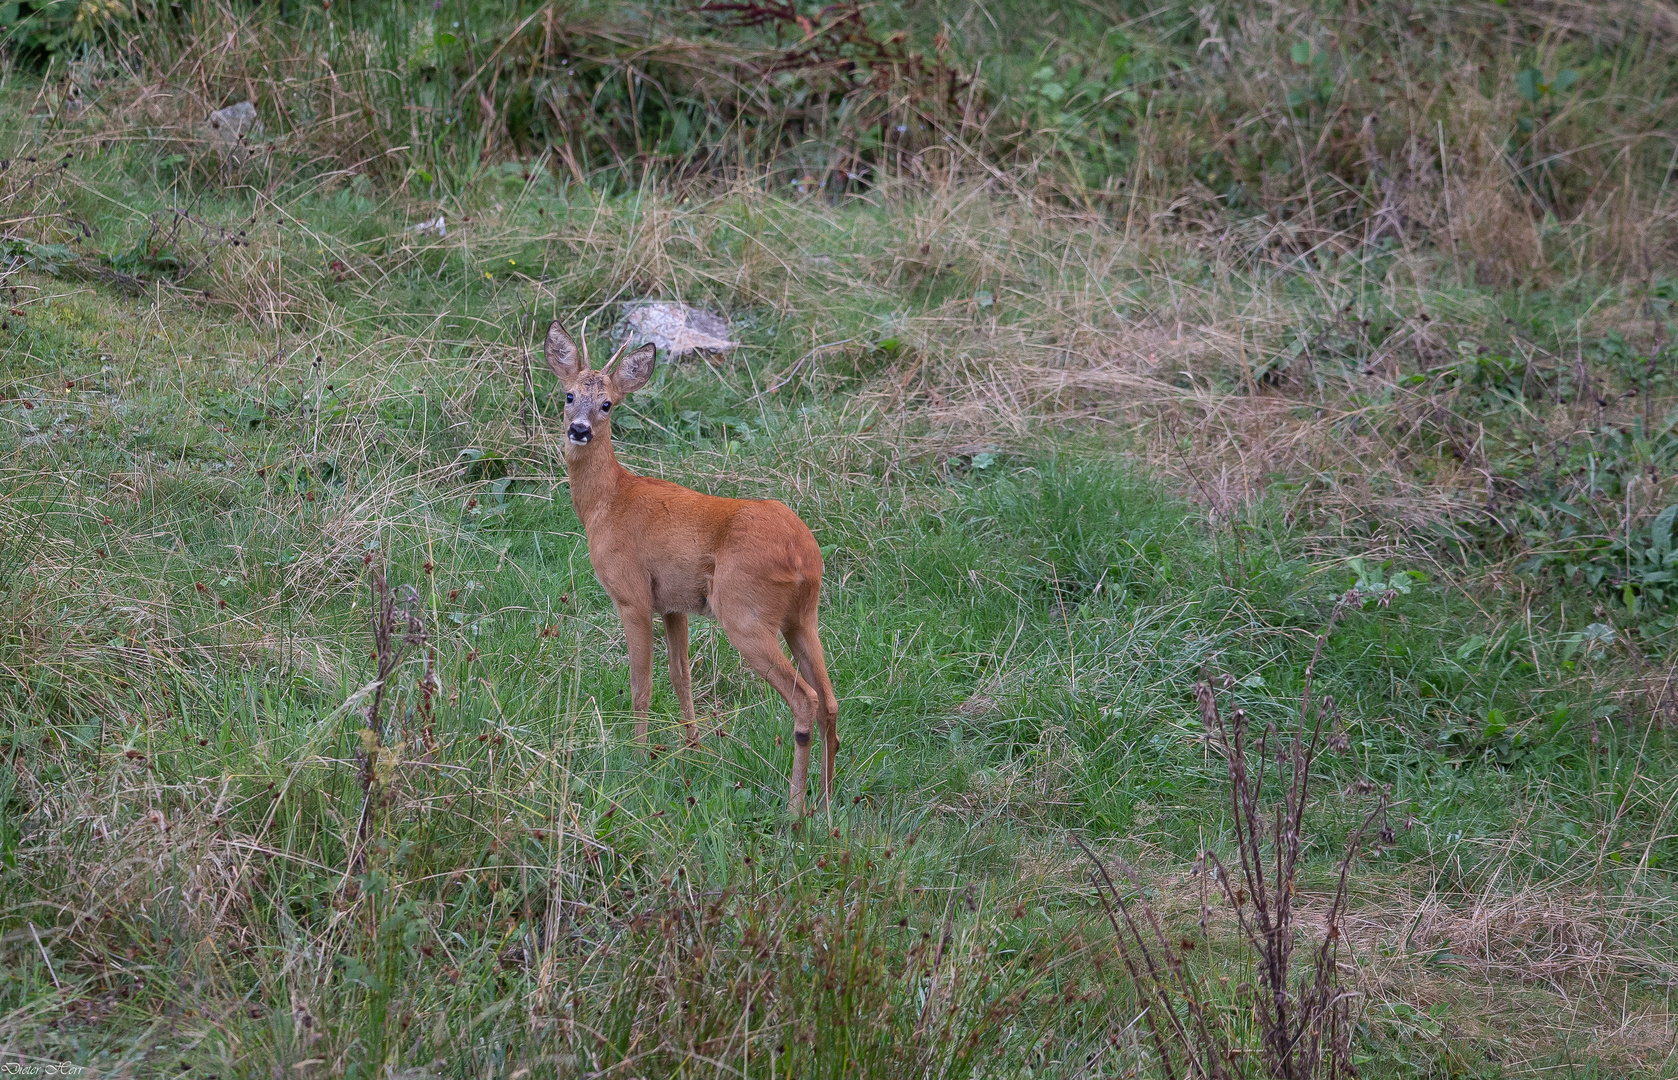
x: 681, y: 672
x: 806, y: 648
x: 638, y: 632
x: 761, y: 650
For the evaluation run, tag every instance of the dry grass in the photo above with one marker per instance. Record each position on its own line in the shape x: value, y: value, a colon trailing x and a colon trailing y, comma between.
x: 1527, y: 970
x: 1262, y: 360
x: 1396, y: 136
x: 1235, y: 350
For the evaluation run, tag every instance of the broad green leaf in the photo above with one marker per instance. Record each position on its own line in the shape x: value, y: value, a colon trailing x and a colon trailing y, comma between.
x: 1660, y: 532
x: 1597, y: 634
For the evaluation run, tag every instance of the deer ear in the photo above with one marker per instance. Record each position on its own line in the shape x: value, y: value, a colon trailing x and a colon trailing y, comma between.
x: 634, y: 370
x: 561, y: 353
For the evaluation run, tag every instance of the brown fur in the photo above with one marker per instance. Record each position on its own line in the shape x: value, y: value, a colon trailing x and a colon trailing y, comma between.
x: 658, y: 547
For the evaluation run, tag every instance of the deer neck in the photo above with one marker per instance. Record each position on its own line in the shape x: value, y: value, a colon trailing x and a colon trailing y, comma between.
x: 595, y: 477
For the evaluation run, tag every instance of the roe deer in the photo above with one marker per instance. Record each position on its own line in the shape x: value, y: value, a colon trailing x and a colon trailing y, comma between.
x: 657, y: 547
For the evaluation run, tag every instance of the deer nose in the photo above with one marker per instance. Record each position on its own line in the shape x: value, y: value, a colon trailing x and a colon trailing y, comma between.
x: 581, y: 433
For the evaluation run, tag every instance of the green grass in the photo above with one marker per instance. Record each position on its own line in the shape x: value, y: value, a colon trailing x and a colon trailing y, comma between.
x: 1015, y: 648
x: 1052, y: 496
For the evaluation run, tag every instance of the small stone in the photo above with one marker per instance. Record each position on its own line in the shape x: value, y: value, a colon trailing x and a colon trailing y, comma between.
x: 232, y: 128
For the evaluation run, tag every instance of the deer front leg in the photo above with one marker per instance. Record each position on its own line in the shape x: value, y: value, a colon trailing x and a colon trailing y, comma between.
x: 681, y: 673
x: 638, y: 631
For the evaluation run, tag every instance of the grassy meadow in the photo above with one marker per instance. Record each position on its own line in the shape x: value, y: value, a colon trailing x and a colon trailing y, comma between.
x: 1140, y: 371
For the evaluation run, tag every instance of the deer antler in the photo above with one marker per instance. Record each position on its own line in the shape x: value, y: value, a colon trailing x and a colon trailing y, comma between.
x: 582, y: 342
x: 618, y: 355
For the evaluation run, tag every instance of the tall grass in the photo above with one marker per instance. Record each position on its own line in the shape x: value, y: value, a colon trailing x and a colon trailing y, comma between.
x: 1288, y: 252
x: 1528, y: 141
x: 1071, y: 445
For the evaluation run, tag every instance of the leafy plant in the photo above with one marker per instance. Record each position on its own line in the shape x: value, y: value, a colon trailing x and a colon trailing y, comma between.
x: 1533, y: 87
x: 1313, y: 82
x: 41, y: 30
x: 1646, y: 565
x: 1543, y: 97
x: 47, y: 258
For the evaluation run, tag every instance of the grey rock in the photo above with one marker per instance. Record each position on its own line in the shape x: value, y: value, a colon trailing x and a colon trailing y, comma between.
x: 678, y: 329
x: 231, y: 130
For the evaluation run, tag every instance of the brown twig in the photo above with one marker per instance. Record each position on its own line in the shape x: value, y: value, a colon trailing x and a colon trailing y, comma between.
x: 397, y: 628
x: 1305, y: 1021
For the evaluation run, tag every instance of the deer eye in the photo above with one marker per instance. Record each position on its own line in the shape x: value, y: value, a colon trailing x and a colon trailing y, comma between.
x: 606, y: 406
x: 569, y: 398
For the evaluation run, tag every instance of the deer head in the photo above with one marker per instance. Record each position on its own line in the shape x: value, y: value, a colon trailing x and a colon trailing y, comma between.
x: 590, y: 396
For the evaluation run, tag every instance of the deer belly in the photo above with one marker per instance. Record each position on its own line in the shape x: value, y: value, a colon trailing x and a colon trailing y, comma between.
x: 685, y: 595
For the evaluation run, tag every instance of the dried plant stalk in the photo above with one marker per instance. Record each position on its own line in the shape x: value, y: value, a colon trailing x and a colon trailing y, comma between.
x: 398, y: 628
x: 1305, y: 1020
